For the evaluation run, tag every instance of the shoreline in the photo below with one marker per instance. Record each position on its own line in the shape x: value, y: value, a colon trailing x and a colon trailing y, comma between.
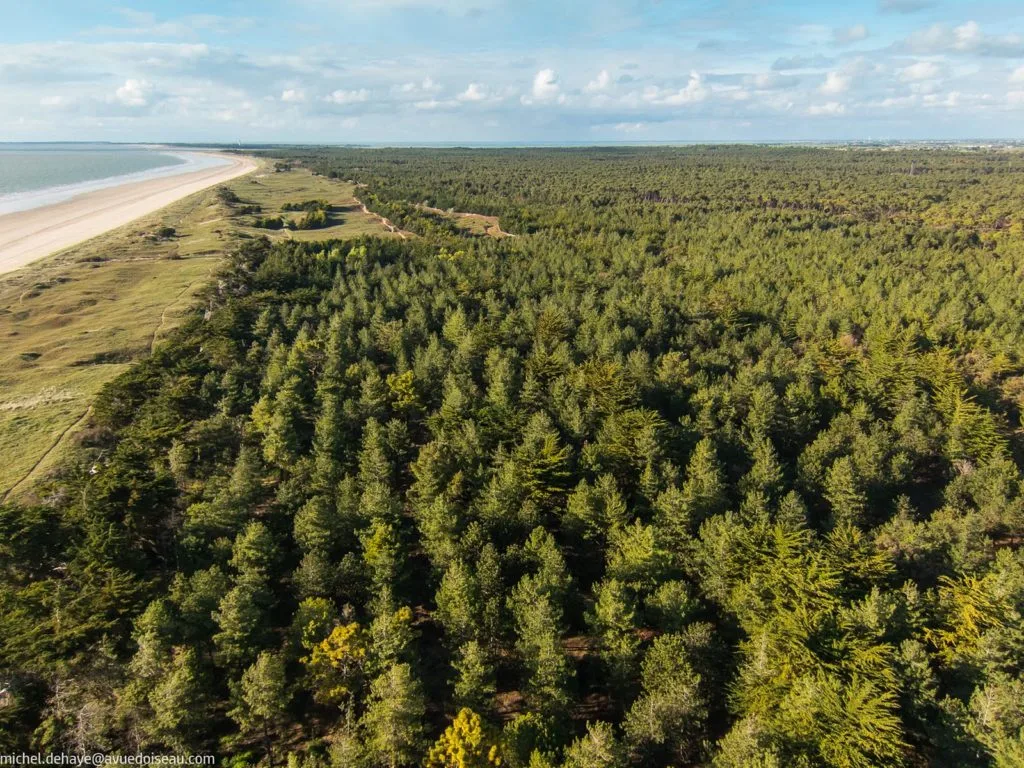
x: 185, y: 162
x: 29, y: 235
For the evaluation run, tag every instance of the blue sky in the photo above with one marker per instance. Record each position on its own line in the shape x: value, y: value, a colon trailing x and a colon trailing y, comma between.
x: 510, y: 70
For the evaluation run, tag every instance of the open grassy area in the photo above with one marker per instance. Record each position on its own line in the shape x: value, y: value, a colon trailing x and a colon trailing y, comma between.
x: 72, y: 322
x: 272, y: 191
x: 472, y: 223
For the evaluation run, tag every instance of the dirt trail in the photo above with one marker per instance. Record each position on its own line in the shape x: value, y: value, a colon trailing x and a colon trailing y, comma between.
x: 492, y: 224
x: 163, y: 315
x: 51, y: 449
x: 387, y: 224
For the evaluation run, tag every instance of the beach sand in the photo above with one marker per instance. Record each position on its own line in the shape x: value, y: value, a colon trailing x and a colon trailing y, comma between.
x: 29, y: 235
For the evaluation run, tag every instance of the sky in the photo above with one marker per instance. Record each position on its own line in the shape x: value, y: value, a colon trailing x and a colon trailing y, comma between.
x: 407, y: 71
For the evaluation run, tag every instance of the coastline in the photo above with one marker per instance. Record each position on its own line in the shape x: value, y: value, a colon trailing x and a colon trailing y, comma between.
x: 29, y: 235
x: 184, y: 162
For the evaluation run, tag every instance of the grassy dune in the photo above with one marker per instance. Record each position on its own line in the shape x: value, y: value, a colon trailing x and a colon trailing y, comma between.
x: 272, y: 191
x: 72, y: 322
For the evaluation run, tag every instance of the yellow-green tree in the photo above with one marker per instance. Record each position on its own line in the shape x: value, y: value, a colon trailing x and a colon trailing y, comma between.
x: 464, y: 744
x: 336, y: 663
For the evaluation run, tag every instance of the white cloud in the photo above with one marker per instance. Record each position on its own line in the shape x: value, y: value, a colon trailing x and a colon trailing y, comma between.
x: 968, y: 38
x: 1018, y: 75
x: 473, y: 92
x: 921, y: 70
x: 293, y: 95
x: 134, y: 93
x: 599, y: 83
x: 847, y: 35
x: 829, y: 109
x: 426, y: 85
x: 933, y: 39
x: 835, y: 82
x: 694, y: 91
x: 1015, y: 97
x: 951, y: 100
x: 894, y: 102
x: 545, y: 85
x: 348, y: 97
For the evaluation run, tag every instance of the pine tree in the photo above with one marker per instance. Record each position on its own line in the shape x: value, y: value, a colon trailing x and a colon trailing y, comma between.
x: 263, y: 700
x: 381, y: 554
x: 766, y: 475
x: 317, y: 526
x: 458, y: 604
x: 492, y: 593
x: 440, y: 526
x: 255, y: 555
x: 704, y: 488
x: 614, y: 621
x: 347, y: 747
x: 539, y: 642
x: 242, y: 624
x: 374, y: 462
x: 544, y: 461
x: 597, y: 749
x: 314, y: 620
x: 316, y: 576
x: 475, y: 685
x: 393, y: 720
x: 391, y: 634
x: 245, y: 485
x: 328, y: 437
x: 179, y: 703
x: 762, y: 414
x: 594, y: 510
x: 667, y: 721
x: 844, y: 495
x: 282, y: 424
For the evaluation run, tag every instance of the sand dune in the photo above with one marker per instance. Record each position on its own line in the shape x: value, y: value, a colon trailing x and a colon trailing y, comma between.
x: 29, y: 235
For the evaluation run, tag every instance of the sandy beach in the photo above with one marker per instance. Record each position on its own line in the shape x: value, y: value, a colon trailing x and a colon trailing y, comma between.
x: 29, y: 235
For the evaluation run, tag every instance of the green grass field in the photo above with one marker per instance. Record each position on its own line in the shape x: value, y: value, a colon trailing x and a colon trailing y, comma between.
x: 73, y: 321
x: 272, y: 191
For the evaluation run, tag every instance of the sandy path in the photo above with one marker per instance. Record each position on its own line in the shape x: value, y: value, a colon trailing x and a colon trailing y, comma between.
x: 29, y: 235
x: 387, y: 224
x: 492, y: 225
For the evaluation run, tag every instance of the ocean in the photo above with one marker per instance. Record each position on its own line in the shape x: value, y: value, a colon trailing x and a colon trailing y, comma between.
x: 33, y: 175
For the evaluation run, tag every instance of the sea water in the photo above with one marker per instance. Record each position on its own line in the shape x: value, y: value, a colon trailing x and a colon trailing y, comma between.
x: 33, y: 175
